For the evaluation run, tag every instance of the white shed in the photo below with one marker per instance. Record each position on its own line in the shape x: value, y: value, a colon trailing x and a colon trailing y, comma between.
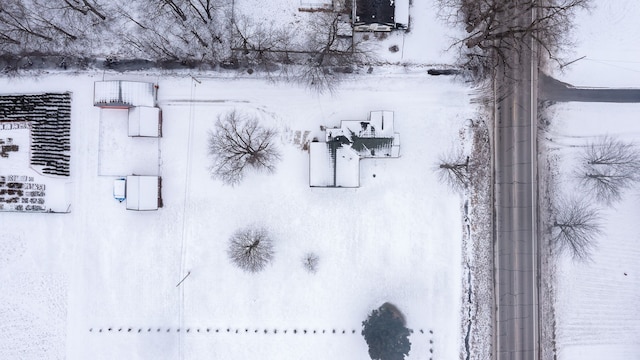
x: 143, y: 192
x: 123, y: 94
x: 145, y: 121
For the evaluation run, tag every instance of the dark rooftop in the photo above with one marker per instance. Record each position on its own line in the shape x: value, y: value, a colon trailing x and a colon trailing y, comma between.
x: 375, y: 11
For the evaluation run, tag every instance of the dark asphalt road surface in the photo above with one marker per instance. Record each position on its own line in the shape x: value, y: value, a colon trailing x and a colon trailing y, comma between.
x: 515, y: 191
x: 515, y: 230
x: 554, y: 90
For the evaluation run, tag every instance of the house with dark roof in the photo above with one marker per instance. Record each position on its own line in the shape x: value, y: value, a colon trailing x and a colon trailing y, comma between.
x: 336, y: 161
x: 380, y: 15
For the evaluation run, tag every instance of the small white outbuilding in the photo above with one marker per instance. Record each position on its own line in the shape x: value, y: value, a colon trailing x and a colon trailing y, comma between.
x: 143, y: 192
x: 145, y: 121
x: 121, y: 94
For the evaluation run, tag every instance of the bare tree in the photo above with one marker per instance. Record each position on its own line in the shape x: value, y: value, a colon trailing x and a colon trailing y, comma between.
x: 310, y: 262
x: 260, y: 45
x: 52, y: 27
x: 176, y: 30
x: 85, y: 7
x: 237, y: 142
x: 251, y: 248
x: 612, y: 152
x: 610, y: 166
x: 318, y: 59
x: 330, y: 53
x: 575, y: 228
x: 497, y: 29
x: 453, y: 170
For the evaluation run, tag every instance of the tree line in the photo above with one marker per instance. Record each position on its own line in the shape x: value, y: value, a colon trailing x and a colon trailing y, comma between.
x: 203, y: 32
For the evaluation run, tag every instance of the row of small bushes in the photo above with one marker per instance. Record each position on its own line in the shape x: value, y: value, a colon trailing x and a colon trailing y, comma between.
x: 229, y: 330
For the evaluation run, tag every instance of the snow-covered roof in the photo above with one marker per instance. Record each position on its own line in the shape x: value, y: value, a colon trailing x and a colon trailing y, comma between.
x: 123, y: 94
x: 143, y: 192
x: 333, y: 165
x: 321, y: 169
x: 401, y: 15
x: 336, y: 162
x: 347, y: 169
x: 144, y: 121
x: 370, y: 138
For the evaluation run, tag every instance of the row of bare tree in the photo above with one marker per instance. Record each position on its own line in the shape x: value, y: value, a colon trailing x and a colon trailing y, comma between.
x: 315, y: 53
x: 314, y: 56
x: 158, y: 29
x: 608, y: 167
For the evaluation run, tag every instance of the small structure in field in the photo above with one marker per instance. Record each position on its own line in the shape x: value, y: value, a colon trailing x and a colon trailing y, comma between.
x: 380, y: 15
x: 143, y: 192
x: 121, y: 94
x: 145, y: 121
x: 336, y: 162
x: 138, y: 98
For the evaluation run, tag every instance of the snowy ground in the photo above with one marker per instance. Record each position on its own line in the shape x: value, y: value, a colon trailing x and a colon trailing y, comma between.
x: 596, y: 305
x: 425, y: 43
x: 607, y: 36
x: 597, y: 311
x: 72, y: 277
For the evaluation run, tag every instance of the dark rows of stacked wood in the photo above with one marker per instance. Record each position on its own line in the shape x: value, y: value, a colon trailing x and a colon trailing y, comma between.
x: 20, y: 196
x: 50, y: 118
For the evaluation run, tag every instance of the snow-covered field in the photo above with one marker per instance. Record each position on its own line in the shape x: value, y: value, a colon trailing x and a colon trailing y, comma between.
x: 607, y: 37
x: 100, y: 282
x: 597, y: 307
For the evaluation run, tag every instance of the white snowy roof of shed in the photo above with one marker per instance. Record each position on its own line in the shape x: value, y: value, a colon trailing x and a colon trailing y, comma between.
x: 144, y: 121
x: 401, y: 14
x: 123, y: 94
x: 142, y: 192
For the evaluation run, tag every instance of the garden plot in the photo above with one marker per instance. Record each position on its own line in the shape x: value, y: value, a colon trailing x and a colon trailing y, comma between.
x: 597, y: 312
x: 120, y: 154
x: 397, y: 238
x: 35, y: 153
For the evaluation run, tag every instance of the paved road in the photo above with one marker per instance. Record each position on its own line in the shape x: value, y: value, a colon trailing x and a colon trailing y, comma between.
x: 515, y: 192
x: 552, y: 89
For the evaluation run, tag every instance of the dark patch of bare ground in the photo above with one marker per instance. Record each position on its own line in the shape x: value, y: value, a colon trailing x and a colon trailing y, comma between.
x: 13, y: 64
x: 478, y: 302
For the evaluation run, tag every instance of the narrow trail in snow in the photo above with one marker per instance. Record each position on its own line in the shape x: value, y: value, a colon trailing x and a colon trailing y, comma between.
x: 183, y: 247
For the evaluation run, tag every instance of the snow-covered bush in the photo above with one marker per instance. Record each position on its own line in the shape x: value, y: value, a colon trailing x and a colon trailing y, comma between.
x: 310, y: 262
